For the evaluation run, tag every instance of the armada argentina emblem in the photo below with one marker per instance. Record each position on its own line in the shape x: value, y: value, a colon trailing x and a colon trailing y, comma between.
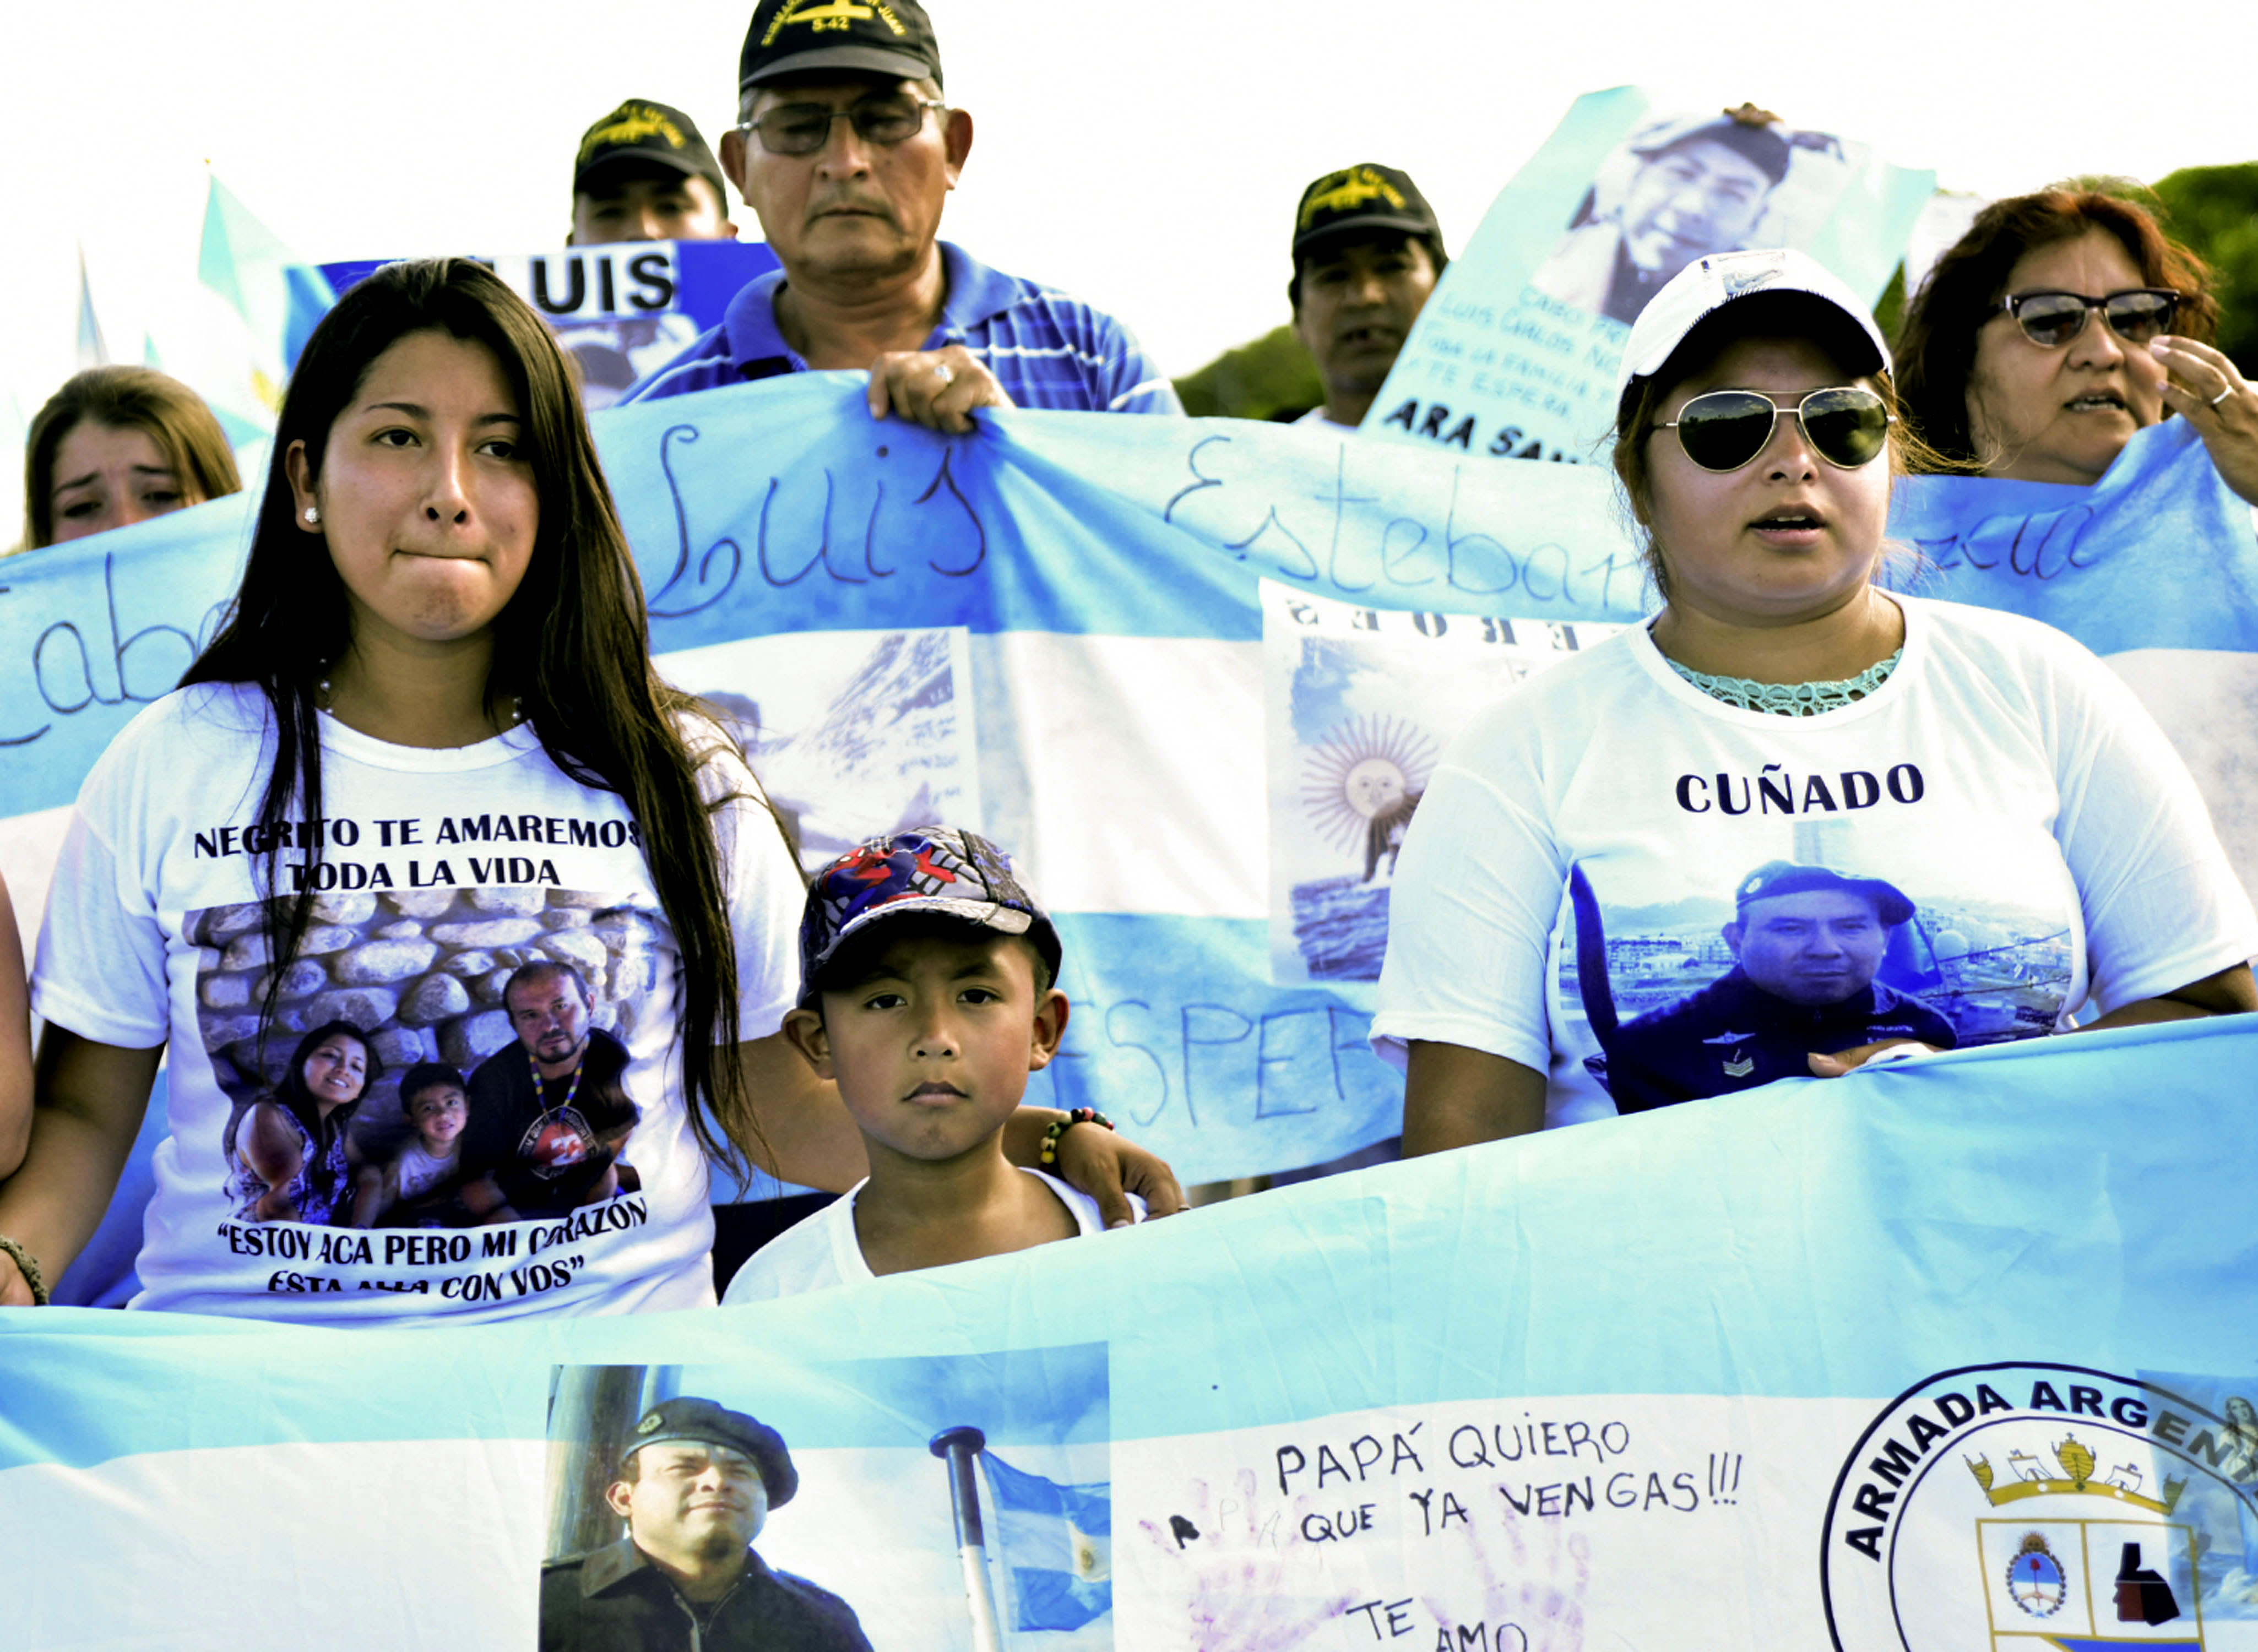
x: 2035, y: 1507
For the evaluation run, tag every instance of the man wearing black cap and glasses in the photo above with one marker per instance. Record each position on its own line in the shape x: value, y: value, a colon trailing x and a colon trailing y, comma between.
x: 643, y: 174
x: 696, y: 1483
x: 1366, y: 254
x: 846, y: 150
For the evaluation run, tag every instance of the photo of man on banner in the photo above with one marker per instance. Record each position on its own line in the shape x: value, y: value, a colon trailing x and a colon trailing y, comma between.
x: 696, y: 1483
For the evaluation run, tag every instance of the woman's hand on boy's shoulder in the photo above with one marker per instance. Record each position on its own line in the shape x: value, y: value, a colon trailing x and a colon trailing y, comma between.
x: 1108, y: 1168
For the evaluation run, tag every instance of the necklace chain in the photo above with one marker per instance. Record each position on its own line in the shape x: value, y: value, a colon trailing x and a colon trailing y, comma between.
x: 540, y: 1084
x: 1790, y: 699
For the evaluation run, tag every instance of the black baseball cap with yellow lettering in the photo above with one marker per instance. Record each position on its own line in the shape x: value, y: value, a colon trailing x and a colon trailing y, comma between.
x: 871, y: 36
x: 1362, y: 198
x: 640, y: 130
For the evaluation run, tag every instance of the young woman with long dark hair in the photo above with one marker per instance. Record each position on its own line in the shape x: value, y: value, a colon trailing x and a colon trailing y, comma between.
x: 427, y: 763
x: 292, y: 1149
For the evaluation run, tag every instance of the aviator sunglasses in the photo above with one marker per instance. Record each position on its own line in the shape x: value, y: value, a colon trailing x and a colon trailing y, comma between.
x: 1723, y: 429
x: 2051, y: 319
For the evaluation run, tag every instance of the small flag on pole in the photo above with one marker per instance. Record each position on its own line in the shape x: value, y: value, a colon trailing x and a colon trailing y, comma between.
x: 280, y: 297
x: 1056, y: 1543
x: 92, y: 351
x: 960, y: 1449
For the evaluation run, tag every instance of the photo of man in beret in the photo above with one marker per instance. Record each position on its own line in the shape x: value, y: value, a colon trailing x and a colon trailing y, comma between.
x: 696, y: 1483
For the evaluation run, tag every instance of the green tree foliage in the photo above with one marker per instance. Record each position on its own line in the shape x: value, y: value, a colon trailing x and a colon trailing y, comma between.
x: 1272, y: 377
x: 2214, y: 211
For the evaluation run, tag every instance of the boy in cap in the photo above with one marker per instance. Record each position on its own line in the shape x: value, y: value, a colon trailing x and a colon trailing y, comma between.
x: 926, y: 992
x: 1368, y: 252
x: 643, y: 174
x: 696, y: 1483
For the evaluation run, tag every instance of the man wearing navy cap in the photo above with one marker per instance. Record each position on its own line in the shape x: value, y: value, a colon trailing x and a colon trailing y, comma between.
x: 1807, y: 942
x: 1366, y: 252
x: 643, y: 174
x: 846, y: 150
x: 1700, y: 186
x: 696, y: 1483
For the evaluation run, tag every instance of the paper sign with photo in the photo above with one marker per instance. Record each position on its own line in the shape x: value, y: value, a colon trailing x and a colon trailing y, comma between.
x: 1516, y: 354
x: 621, y: 310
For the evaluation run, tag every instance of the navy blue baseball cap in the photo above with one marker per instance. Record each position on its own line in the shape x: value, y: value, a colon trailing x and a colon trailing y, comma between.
x: 1786, y: 878
x: 1362, y: 199
x: 872, y: 37
x: 658, y: 134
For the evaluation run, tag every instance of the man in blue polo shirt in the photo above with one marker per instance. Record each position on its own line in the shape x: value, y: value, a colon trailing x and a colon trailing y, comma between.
x: 846, y: 152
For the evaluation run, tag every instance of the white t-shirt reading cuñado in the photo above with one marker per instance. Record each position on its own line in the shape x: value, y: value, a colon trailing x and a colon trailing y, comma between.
x: 1653, y: 897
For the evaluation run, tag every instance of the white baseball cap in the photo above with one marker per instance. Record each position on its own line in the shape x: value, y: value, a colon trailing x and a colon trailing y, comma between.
x: 1707, y: 284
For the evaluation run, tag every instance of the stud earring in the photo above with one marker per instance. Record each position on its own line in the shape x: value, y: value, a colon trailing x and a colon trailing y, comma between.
x: 313, y: 514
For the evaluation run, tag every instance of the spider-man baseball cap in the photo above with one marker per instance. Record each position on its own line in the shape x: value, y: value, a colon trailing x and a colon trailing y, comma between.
x: 932, y: 868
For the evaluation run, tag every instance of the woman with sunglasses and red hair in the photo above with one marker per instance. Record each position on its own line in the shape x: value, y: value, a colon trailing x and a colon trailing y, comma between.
x: 1795, y: 823
x: 2059, y: 325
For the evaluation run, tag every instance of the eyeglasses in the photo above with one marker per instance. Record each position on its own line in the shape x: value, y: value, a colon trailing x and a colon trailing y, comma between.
x: 801, y: 129
x: 1723, y: 429
x: 2050, y: 319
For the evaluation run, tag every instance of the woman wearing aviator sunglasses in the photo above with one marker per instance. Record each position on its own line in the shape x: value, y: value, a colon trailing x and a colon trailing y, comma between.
x: 1795, y: 824
x: 2061, y: 323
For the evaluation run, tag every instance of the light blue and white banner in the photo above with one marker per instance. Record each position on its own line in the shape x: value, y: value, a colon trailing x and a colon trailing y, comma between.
x: 1516, y: 354
x: 1056, y: 630
x: 1952, y: 1357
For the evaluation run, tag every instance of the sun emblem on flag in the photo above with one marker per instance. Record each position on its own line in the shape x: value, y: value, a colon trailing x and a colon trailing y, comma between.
x: 2035, y: 1578
x: 1362, y: 781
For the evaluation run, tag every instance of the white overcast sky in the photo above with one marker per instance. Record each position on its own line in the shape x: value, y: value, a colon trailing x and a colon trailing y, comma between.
x: 1144, y: 155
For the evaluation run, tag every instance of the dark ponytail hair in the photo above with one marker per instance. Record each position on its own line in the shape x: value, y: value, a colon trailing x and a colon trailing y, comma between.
x: 573, y: 646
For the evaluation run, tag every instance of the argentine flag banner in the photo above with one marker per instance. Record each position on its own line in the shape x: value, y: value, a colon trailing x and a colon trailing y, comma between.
x: 1954, y: 1356
x: 1191, y: 673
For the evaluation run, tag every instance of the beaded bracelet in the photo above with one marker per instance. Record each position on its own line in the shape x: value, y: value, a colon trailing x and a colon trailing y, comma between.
x: 1059, y: 1127
x: 29, y: 1266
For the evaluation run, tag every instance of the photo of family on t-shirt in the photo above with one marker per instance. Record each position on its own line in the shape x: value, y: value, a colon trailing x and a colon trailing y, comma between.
x: 515, y: 1110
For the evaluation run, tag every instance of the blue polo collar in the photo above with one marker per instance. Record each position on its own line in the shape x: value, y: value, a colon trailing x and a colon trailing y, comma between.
x: 974, y: 294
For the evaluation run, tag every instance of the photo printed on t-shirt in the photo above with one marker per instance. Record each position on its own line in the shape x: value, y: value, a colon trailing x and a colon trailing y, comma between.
x: 1829, y: 939
x: 434, y: 1058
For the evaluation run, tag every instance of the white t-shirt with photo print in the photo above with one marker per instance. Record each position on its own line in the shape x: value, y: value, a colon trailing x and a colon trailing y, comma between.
x: 443, y: 872
x: 2002, y: 783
